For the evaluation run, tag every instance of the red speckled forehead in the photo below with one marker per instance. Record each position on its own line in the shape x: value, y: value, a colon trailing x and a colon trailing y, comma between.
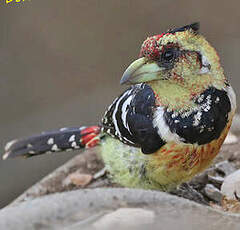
x: 151, y: 46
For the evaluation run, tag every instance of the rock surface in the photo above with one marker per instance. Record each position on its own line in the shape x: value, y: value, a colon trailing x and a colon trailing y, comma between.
x: 235, y: 128
x: 225, y: 168
x: 90, y: 163
x: 126, y: 218
x: 231, y: 139
x: 213, y: 193
x: 50, y: 205
x: 231, y: 185
x: 94, y: 208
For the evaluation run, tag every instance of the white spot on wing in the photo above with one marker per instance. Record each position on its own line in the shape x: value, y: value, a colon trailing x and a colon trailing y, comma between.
x: 55, y: 148
x: 207, y: 105
x: 197, y: 118
x: 74, y: 144
x: 50, y: 141
x: 9, y: 144
x: 200, y: 98
x: 217, y: 100
x: 5, y: 156
x: 72, y: 138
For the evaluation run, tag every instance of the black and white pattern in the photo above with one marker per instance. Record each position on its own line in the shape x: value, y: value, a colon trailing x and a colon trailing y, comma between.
x: 203, y: 123
x: 130, y: 119
x: 53, y: 141
x: 135, y: 119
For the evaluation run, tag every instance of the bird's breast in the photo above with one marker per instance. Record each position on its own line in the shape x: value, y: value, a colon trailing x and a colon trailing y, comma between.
x: 175, y: 163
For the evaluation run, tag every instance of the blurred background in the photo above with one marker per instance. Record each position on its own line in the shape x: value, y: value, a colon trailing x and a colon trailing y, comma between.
x: 61, y: 62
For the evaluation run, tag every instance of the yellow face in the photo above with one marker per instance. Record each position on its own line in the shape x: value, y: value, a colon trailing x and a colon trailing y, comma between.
x: 178, y: 65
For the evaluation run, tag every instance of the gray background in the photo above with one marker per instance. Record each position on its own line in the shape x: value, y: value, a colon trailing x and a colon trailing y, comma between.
x: 61, y: 62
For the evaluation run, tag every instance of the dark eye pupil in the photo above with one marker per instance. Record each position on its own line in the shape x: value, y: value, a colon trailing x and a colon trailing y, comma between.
x: 168, y: 55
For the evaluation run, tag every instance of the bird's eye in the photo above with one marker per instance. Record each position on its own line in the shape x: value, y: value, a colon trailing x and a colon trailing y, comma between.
x: 168, y: 55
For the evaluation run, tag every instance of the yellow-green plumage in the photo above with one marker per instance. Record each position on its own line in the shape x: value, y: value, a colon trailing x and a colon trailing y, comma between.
x: 165, y: 169
x: 177, y: 114
x: 175, y: 89
x: 126, y: 164
x: 186, y: 81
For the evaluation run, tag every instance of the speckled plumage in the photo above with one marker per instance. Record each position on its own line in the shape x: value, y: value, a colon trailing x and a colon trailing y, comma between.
x: 168, y: 167
x: 193, y: 110
x: 168, y: 126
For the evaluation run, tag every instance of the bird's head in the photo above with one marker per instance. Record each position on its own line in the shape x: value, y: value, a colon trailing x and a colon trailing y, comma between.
x: 178, y: 65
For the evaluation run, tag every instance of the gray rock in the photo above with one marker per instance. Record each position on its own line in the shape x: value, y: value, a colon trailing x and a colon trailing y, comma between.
x: 188, y: 191
x: 235, y: 128
x: 126, y: 218
x: 231, y: 139
x: 200, y: 180
x: 213, y: 193
x: 231, y: 185
x: 225, y: 168
x: 87, y: 209
x: 86, y: 162
x: 216, y: 180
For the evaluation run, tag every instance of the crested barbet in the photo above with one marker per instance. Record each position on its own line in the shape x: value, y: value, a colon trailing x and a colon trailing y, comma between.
x: 167, y: 127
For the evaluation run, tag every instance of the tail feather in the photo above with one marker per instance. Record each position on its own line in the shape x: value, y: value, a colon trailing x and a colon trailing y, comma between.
x: 54, y: 141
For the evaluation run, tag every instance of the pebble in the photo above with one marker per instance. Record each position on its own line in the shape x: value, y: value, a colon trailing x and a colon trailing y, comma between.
x: 235, y: 128
x: 200, y: 180
x: 125, y: 218
x: 231, y: 185
x: 225, y: 168
x: 213, y: 193
x: 231, y: 139
x: 216, y: 180
x: 78, y: 179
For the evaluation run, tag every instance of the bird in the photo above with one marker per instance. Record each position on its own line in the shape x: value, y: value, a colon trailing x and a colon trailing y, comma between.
x: 164, y: 129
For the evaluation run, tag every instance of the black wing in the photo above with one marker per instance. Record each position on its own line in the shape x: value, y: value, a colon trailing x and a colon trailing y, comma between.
x: 205, y: 124
x: 130, y: 119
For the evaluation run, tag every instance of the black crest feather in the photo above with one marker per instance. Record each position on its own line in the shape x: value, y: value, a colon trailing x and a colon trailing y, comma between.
x: 194, y: 27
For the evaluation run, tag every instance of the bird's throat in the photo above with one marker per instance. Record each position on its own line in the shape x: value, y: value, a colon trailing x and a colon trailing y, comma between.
x: 171, y: 95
